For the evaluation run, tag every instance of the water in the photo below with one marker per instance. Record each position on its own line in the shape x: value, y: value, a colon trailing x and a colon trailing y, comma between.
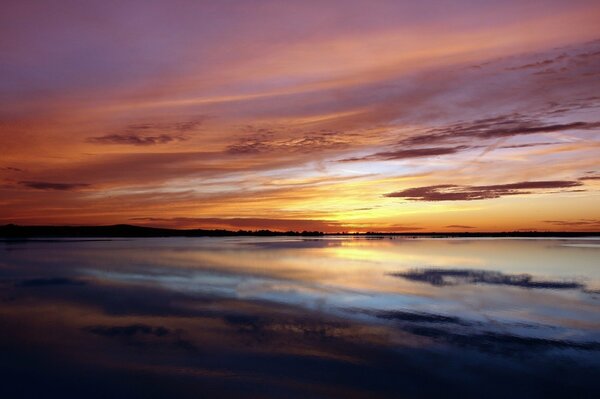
x: 298, y: 317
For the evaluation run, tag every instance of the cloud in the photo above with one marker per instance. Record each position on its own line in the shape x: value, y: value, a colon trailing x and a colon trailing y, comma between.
x: 269, y: 141
x: 527, y: 145
x: 409, y: 153
x: 11, y: 169
x: 267, y: 328
x: 147, y: 134
x: 460, y: 226
x: 452, y: 192
x: 589, y: 54
x: 51, y: 281
x: 450, y: 277
x: 131, y: 139
x: 461, y: 333
x: 412, y: 317
x: 40, y: 185
x: 497, y: 127
x: 575, y: 223
x: 539, y: 64
x: 128, y: 331
x: 589, y: 178
x: 500, y: 343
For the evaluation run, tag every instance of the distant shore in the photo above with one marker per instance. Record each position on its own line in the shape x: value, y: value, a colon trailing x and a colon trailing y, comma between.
x: 124, y: 230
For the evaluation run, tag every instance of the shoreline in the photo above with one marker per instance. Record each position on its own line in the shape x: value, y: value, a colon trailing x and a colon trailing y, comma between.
x: 12, y: 231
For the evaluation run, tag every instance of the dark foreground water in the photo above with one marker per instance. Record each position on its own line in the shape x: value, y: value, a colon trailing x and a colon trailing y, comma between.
x: 283, y: 317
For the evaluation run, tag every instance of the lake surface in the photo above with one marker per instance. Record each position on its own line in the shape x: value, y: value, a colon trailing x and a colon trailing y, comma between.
x: 300, y: 317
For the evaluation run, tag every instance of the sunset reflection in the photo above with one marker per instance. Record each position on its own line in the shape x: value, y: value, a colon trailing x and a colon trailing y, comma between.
x: 231, y: 314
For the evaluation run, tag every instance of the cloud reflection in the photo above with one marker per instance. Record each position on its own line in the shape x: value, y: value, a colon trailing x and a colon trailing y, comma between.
x: 446, y: 277
x: 231, y: 317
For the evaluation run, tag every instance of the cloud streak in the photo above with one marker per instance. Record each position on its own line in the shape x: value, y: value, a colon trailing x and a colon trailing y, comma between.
x: 409, y: 153
x: 134, y: 139
x: 503, y: 126
x: 148, y: 134
x: 588, y: 223
x: 42, y: 185
x: 452, y: 192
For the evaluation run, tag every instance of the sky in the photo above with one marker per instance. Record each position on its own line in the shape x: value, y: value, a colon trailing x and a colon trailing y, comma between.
x: 334, y: 116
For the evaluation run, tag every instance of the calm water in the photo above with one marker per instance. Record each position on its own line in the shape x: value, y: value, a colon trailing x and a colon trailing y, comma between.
x: 293, y: 317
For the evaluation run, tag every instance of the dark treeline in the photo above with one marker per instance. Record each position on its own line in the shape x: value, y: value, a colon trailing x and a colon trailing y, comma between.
x: 125, y: 230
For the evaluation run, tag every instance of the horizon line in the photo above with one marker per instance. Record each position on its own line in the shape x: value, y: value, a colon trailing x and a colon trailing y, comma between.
x: 27, y: 230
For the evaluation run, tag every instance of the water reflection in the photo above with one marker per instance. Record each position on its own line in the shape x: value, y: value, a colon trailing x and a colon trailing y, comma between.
x: 280, y: 317
x: 440, y: 277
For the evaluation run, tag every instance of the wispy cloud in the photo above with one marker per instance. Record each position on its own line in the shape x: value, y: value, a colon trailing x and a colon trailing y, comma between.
x: 149, y: 134
x: 592, y: 223
x: 128, y: 330
x: 134, y: 139
x: 503, y: 126
x: 409, y: 153
x: 451, y: 192
x: 42, y: 185
x: 269, y: 141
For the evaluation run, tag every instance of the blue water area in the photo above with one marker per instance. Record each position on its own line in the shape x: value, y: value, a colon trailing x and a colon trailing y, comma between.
x: 300, y: 317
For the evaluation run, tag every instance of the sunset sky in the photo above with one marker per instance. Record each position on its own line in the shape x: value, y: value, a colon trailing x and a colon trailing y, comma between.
x: 463, y: 115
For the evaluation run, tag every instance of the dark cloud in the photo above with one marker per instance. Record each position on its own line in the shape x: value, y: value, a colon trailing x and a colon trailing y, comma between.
x: 539, y: 64
x: 563, y: 107
x: 492, y: 128
x: 147, y: 134
x: 181, y: 127
x: 51, y: 281
x: 451, y: 330
x: 11, y: 169
x: 550, y: 71
x: 460, y: 226
x: 266, y: 141
x: 589, y: 54
x: 527, y: 145
x: 409, y: 153
x: 41, y: 185
x: 128, y: 331
x: 449, y: 277
x: 452, y: 192
x: 590, y: 178
x: 562, y: 62
x: 500, y: 343
x: 412, y: 317
x: 285, y: 328
x: 132, y: 139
